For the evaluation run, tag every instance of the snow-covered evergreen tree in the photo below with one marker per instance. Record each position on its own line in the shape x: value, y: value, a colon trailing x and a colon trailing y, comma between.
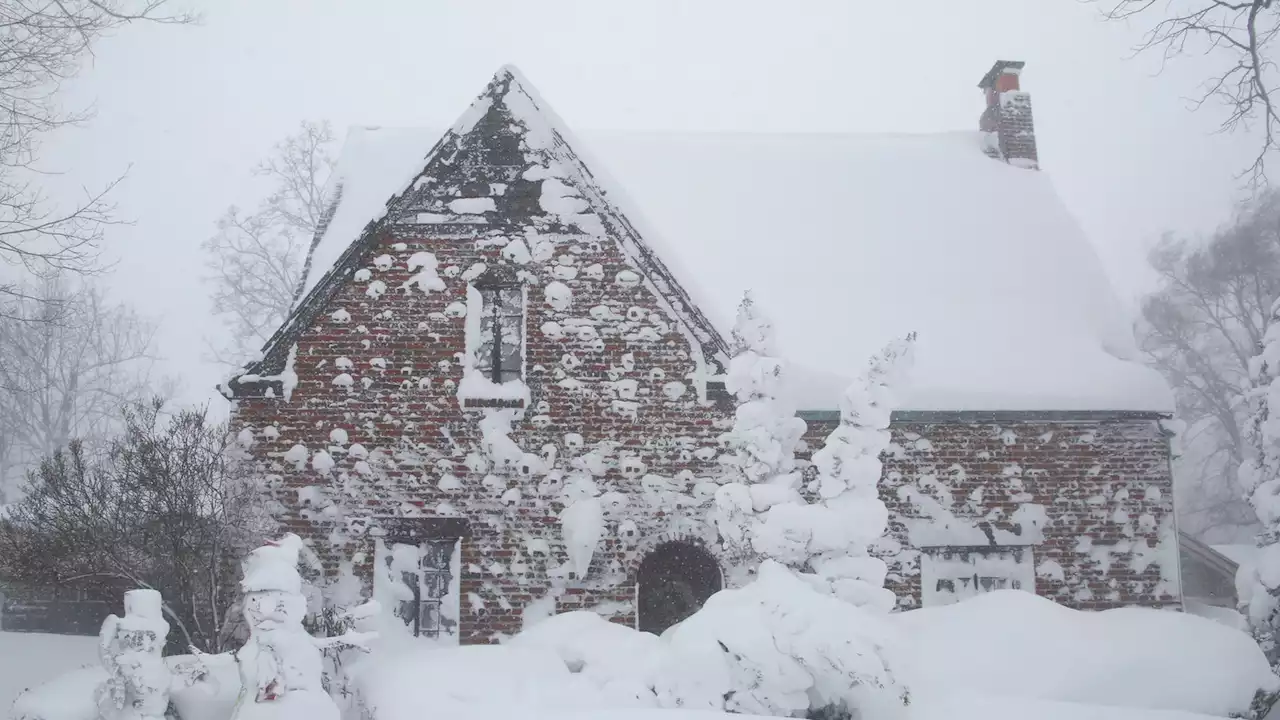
x: 848, y: 480
x: 777, y: 647
x: 1260, y: 476
x: 759, y: 462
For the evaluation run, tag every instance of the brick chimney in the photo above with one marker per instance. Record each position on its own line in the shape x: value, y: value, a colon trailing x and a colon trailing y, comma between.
x: 1007, y: 119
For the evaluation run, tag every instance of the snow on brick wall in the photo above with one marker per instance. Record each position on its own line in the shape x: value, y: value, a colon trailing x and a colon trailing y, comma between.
x: 1091, y: 499
x: 407, y: 405
x: 615, y: 414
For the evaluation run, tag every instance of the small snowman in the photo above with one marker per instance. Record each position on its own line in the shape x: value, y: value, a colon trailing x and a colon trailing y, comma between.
x: 281, y: 664
x: 137, y: 684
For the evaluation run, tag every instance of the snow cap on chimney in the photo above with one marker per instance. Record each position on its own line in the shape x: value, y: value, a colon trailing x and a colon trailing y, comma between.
x: 1011, y: 134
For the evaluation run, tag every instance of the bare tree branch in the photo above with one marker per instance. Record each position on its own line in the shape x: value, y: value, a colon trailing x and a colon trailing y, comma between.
x: 259, y: 261
x: 42, y: 44
x: 166, y: 504
x: 1240, y: 34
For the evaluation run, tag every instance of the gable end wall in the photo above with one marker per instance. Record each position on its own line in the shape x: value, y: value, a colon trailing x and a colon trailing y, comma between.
x: 614, y: 367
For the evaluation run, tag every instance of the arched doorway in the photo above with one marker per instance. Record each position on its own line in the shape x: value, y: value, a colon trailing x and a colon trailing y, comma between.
x: 674, y: 580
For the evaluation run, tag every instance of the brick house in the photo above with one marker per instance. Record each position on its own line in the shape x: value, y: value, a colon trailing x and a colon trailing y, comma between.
x: 482, y: 321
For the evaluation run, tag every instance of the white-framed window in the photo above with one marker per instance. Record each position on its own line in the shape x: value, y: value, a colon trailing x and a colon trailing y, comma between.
x: 949, y: 574
x: 418, y: 583
x: 499, y: 354
x: 495, y: 342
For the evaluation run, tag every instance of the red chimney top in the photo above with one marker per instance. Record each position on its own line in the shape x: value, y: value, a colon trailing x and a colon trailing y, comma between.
x: 1003, y: 76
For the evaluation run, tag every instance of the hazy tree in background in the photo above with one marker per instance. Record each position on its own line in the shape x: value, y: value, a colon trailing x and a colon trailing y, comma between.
x: 1236, y: 35
x: 260, y: 260
x: 69, y: 360
x: 165, y: 504
x: 1201, y: 329
x: 45, y: 43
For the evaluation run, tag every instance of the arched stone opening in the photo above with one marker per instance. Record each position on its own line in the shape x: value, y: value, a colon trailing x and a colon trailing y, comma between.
x: 673, y: 582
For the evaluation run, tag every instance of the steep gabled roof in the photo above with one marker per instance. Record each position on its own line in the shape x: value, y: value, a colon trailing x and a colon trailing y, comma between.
x: 847, y: 241
x: 512, y: 132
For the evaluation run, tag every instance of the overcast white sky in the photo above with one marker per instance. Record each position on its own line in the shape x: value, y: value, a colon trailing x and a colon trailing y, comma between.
x: 189, y: 110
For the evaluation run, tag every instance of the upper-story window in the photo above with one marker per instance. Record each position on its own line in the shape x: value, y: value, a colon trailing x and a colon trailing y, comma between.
x: 500, y: 352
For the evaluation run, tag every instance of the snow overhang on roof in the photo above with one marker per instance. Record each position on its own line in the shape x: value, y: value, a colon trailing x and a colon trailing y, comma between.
x: 849, y: 241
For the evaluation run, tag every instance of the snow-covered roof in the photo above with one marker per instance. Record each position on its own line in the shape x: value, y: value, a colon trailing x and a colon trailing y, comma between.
x: 1240, y: 554
x: 848, y: 241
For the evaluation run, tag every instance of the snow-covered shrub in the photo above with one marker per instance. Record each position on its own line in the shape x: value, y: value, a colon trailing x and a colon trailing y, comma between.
x: 621, y: 664
x: 171, y: 492
x: 471, y: 681
x: 779, y: 647
x: 852, y: 515
x: 761, y: 514
x: 774, y: 647
x: 1260, y: 476
x: 762, y: 443
x: 204, y: 688
x: 337, y: 608
x: 759, y: 458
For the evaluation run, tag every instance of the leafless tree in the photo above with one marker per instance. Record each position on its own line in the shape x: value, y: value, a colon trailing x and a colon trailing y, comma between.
x: 260, y: 260
x: 167, y: 504
x: 69, y: 360
x: 1202, y: 329
x: 1234, y: 34
x: 42, y: 43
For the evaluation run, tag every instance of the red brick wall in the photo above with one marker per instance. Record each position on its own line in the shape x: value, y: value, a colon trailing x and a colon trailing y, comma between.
x: 409, y: 406
x: 406, y: 349
x: 1105, y: 480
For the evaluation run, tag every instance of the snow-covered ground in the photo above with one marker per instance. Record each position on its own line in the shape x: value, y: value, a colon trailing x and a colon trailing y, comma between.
x: 1017, y: 644
x: 1006, y: 655
x: 31, y: 659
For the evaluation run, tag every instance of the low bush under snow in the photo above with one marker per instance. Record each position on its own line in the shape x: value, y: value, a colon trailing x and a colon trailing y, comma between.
x: 1018, y: 644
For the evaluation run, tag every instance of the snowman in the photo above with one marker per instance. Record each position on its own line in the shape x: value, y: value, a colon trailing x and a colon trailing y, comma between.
x: 137, y: 684
x: 281, y: 664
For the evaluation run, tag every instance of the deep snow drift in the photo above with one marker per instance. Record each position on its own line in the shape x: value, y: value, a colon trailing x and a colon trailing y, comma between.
x: 1015, y: 643
x: 1005, y: 655
x: 31, y: 659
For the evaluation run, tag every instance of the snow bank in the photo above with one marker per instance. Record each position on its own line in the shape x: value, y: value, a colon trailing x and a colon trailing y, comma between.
x: 993, y: 707
x: 69, y: 695
x: 478, y: 678
x: 210, y: 696
x: 612, y: 714
x: 1015, y: 643
x: 779, y: 647
x: 977, y: 708
x: 776, y: 646
x: 29, y: 659
x: 621, y: 664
